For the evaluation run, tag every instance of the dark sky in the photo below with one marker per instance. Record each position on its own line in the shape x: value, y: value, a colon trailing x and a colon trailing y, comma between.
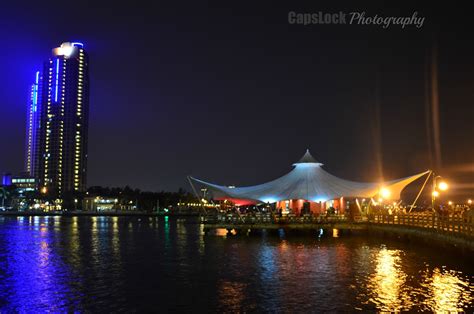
x: 232, y: 93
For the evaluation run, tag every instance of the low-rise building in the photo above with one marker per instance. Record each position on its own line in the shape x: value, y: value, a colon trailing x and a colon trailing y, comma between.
x: 22, y: 182
x: 106, y: 204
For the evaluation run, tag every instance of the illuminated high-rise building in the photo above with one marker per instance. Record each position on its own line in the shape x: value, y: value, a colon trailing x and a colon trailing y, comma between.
x: 32, y: 126
x: 56, y: 146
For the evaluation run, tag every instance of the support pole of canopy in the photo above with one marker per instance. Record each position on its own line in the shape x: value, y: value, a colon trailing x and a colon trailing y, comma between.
x: 371, y: 200
x: 197, y: 195
x: 239, y: 215
x: 421, y: 190
x: 358, y: 206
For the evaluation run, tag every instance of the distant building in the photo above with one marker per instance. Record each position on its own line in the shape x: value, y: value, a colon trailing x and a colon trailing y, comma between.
x: 106, y: 204
x: 57, y: 122
x: 25, y: 183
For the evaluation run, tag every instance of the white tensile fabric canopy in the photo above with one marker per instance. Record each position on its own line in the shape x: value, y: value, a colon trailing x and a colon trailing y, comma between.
x: 308, y: 181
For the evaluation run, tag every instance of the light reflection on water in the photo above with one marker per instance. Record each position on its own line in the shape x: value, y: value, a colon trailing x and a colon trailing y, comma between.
x: 34, y: 278
x: 386, y: 286
x: 430, y: 289
x: 232, y: 295
x: 447, y: 290
x: 62, y: 264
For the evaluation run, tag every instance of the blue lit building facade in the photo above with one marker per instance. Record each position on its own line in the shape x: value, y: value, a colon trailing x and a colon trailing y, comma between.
x: 32, y: 128
x: 57, y: 125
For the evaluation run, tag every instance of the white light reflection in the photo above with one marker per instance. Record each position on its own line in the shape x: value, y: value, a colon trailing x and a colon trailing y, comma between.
x: 447, y: 291
x: 387, y: 285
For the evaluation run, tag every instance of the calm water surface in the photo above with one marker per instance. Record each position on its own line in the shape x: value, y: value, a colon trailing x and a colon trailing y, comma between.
x: 164, y: 264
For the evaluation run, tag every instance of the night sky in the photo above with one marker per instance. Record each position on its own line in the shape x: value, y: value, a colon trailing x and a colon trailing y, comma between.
x: 232, y: 93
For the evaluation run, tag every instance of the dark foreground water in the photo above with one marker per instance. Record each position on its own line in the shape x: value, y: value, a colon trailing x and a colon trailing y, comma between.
x: 104, y: 264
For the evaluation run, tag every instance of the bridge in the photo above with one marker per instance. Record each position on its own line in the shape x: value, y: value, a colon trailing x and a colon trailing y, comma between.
x: 456, y: 230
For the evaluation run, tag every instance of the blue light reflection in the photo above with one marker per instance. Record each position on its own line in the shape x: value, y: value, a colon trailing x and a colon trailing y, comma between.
x: 31, y: 268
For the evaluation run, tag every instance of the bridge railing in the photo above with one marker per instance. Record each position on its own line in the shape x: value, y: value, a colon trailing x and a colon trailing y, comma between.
x: 448, y: 224
x: 262, y: 218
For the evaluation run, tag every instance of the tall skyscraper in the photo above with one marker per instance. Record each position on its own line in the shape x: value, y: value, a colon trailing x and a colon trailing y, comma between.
x: 32, y: 128
x: 58, y: 112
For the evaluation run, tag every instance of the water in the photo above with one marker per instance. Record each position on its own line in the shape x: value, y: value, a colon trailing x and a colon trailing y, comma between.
x: 125, y: 264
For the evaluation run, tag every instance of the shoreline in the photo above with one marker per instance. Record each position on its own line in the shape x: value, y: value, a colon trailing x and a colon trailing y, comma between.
x: 91, y: 214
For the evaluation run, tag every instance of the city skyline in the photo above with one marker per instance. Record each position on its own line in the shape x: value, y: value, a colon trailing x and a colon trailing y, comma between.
x: 182, y: 118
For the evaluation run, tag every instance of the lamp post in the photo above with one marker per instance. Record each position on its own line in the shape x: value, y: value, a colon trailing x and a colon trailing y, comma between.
x: 442, y: 186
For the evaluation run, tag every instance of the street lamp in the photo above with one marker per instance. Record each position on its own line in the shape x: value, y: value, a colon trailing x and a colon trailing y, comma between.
x: 385, y: 193
x: 469, y: 201
x: 442, y: 186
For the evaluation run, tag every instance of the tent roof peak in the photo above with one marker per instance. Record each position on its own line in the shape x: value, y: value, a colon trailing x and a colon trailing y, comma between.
x: 307, y: 159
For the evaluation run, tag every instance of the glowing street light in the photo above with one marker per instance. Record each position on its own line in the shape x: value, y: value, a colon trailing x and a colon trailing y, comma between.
x: 450, y: 203
x: 443, y: 186
x: 469, y: 201
x: 44, y: 190
x: 385, y: 193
